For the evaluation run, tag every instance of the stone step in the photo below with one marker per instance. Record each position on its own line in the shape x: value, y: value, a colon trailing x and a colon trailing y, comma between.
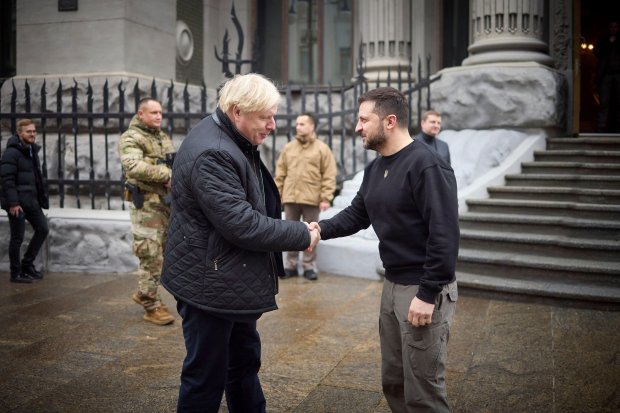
x: 542, y: 287
x: 559, y: 246
x: 545, y: 208
x: 581, y: 195
x: 562, y: 180
x: 570, y: 168
x: 517, y: 266
x: 583, y: 156
x: 603, y: 143
x: 549, y: 225
x: 553, y: 230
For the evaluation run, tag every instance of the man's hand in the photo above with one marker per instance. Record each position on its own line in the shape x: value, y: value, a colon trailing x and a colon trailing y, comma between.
x: 314, y: 225
x: 315, y: 235
x: 324, y: 206
x: 16, y: 210
x: 420, y: 312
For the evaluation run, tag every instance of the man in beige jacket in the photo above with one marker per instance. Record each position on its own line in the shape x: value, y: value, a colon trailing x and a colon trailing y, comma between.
x: 306, y: 179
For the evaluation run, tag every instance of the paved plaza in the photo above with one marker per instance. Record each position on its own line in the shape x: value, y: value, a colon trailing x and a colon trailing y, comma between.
x: 77, y: 343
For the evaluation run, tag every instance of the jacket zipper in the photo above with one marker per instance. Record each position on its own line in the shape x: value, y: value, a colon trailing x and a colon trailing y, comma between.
x: 259, y: 178
x: 273, y: 273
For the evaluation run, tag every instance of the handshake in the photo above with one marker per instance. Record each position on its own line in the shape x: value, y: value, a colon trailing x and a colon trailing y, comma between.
x: 315, y: 235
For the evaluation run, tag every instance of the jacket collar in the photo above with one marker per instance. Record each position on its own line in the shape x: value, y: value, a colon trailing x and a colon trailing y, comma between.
x: 306, y: 141
x: 16, y: 142
x: 222, y: 120
x: 136, y: 123
x: 427, y: 138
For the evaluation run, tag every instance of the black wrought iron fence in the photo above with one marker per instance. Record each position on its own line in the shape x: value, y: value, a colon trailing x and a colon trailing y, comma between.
x: 79, y: 129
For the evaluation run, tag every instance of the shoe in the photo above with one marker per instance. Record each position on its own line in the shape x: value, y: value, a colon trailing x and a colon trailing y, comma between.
x: 142, y: 299
x: 288, y: 273
x: 310, y: 275
x: 159, y: 316
x: 32, y: 272
x: 21, y: 278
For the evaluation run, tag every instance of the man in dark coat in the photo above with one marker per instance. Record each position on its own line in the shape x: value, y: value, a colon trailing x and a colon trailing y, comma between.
x: 23, y: 195
x: 223, y: 254
x: 431, y: 126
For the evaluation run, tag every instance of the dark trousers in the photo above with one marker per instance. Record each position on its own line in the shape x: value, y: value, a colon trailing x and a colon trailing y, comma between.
x: 35, y: 216
x: 222, y: 356
x: 310, y: 213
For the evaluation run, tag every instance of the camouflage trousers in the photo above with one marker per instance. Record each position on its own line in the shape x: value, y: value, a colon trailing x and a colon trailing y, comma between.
x: 149, y: 227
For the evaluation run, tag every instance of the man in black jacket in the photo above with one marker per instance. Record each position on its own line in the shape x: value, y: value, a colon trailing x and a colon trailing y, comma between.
x: 409, y: 196
x: 430, y: 124
x: 223, y: 253
x: 23, y: 195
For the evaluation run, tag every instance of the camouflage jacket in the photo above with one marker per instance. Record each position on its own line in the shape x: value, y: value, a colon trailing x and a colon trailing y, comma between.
x: 140, y: 149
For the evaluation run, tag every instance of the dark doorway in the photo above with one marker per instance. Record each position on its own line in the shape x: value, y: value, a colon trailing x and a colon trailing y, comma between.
x: 594, y: 20
x: 456, y: 32
x: 7, y: 39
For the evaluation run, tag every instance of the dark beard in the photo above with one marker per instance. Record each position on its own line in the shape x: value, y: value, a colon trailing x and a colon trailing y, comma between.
x: 377, y: 142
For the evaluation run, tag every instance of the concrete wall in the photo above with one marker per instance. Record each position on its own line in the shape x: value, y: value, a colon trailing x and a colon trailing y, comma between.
x: 100, y: 37
x: 80, y: 240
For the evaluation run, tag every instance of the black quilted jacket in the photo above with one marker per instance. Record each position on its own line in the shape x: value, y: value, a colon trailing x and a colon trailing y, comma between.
x: 225, y: 236
x: 20, y: 174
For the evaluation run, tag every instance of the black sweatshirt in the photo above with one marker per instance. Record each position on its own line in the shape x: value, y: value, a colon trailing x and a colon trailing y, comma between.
x: 410, y: 198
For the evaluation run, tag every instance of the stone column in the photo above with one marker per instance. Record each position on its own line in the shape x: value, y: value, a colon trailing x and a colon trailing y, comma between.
x: 385, y: 36
x: 507, y: 31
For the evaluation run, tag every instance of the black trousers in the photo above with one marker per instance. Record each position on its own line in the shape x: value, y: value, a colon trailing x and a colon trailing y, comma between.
x: 35, y: 216
x: 222, y: 356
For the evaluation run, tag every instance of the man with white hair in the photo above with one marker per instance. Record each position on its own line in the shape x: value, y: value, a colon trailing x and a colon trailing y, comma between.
x: 224, y: 249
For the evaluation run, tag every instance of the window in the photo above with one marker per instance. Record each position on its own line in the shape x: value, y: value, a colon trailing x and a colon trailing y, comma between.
x: 316, y: 36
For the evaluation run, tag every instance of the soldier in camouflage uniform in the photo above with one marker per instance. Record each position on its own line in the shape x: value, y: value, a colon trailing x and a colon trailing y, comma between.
x: 143, y: 149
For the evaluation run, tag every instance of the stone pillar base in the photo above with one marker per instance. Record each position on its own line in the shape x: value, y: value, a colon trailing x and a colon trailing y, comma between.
x: 517, y: 49
x: 502, y: 95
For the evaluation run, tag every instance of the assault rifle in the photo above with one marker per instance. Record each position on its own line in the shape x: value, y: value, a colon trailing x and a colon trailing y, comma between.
x: 168, y: 161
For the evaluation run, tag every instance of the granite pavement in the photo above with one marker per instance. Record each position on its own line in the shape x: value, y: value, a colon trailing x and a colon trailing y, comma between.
x: 76, y: 342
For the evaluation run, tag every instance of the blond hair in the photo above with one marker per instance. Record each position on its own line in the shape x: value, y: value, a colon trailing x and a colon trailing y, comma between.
x: 251, y: 93
x: 428, y: 113
x: 23, y: 123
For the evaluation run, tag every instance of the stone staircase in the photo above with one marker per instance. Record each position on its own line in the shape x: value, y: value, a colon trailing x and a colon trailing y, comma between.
x: 554, y: 229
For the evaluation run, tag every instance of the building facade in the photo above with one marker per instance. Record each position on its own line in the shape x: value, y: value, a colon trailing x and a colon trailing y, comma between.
x: 315, y: 42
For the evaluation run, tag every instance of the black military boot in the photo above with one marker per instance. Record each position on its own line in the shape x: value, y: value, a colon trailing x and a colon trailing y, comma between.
x: 21, y: 278
x: 32, y: 272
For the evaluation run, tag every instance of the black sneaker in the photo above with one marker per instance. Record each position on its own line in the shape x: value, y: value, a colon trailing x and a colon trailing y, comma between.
x: 288, y: 273
x: 32, y: 272
x: 310, y: 275
x: 21, y: 279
